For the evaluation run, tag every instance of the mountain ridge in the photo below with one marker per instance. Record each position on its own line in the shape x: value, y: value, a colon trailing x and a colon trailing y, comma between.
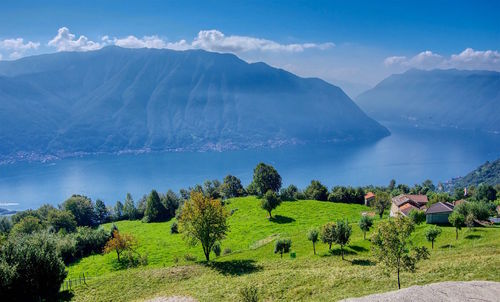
x: 135, y: 100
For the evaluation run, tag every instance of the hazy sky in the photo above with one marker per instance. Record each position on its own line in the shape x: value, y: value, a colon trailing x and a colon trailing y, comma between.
x: 351, y: 43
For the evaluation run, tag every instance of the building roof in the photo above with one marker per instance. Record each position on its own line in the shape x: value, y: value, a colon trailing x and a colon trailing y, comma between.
x: 409, y: 198
x: 369, y: 195
x: 440, y: 207
x: 406, y: 208
x: 457, y: 202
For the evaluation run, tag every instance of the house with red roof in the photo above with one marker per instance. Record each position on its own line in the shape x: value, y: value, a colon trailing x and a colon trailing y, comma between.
x: 369, y: 198
x: 404, y: 203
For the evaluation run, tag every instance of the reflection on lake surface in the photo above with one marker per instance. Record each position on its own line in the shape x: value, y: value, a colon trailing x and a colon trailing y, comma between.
x: 409, y: 156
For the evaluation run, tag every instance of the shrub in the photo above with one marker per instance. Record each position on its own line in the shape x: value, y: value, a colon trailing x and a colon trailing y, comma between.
x: 30, y: 268
x: 5, y: 225
x: 432, y: 233
x: 66, y: 246
x: 249, y: 294
x: 62, y: 220
x: 27, y: 225
x: 121, y: 243
x: 216, y: 249
x: 189, y: 257
x: 328, y: 233
x: 282, y: 246
x: 342, y: 234
x: 89, y: 241
x: 417, y: 216
x: 289, y: 193
x: 174, y: 229
x: 227, y: 251
x: 313, y: 236
x: 316, y: 191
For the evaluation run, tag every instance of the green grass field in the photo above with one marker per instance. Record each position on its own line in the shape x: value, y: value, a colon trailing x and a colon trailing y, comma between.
x: 309, y: 277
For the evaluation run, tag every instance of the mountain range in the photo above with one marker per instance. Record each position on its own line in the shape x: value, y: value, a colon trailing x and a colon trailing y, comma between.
x: 133, y: 100
x: 438, y: 99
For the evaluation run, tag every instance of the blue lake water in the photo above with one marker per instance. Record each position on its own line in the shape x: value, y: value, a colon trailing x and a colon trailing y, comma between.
x: 409, y: 156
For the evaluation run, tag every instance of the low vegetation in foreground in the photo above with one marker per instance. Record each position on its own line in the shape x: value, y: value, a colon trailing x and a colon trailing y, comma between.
x: 175, y: 268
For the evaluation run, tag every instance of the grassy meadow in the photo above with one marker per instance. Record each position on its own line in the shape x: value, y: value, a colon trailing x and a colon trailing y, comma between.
x: 251, y: 237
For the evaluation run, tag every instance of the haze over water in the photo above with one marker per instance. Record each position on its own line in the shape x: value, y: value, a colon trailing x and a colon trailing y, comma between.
x: 409, y: 156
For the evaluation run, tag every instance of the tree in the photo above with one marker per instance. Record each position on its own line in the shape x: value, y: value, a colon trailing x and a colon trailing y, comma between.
x: 328, y: 233
x: 342, y: 234
x: 365, y: 223
x: 120, y: 243
x: 289, y: 193
x: 417, y: 216
x: 27, y: 225
x: 118, y: 211
x: 270, y: 201
x: 469, y: 221
x: 391, y: 245
x: 282, y: 246
x: 392, y: 185
x: 204, y: 220
x: 62, y: 220
x: 381, y: 203
x: 171, y: 203
x: 82, y: 208
x: 101, y: 212
x: 31, y: 268
x: 313, y: 236
x: 457, y: 220
x: 155, y: 210
x: 212, y: 188
x: 485, y: 192
x: 265, y: 178
x: 5, y: 225
x: 129, y: 210
x: 316, y: 191
x: 432, y: 233
x: 231, y: 187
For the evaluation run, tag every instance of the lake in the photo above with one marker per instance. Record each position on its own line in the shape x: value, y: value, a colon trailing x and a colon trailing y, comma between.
x: 408, y: 155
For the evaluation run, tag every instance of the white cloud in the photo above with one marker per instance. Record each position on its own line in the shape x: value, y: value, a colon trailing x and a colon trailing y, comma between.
x: 467, y: 59
x: 18, y: 47
x: 65, y: 41
x: 214, y: 40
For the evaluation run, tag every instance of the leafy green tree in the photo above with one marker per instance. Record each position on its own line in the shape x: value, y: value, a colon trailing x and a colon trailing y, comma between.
x: 27, y: 213
x: 365, y: 223
x: 101, y: 212
x: 155, y: 210
x: 432, y: 233
x: 141, y: 206
x: 417, y: 216
x: 342, y: 234
x: 212, y: 188
x: 439, y: 197
x: 231, y: 187
x: 204, y: 220
x: 171, y: 203
x: 289, y: 193
x: 129, y: 210
x: 31, y: 268
x: 89, y: 241
x: 391, y: 245
x: 266, y: 178
x: 270, y: 201
x: 27, y: 225
x: 282, y: 246
x: 5, y: 225
x: 316, y: 191
x: 328, y: 234
x: 62, y: 220
x: 392, y: 185
x: 82, y: 208
x: 120, y: 243
x: 485, y: 192
x: 381, y: 203
x: 458, y: 193
x: 118, y: 211
x: 313, y: 236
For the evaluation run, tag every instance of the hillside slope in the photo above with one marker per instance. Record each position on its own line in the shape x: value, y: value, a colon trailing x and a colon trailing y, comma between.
x: 117, y: 99
x: 488, y: 173
x: 437, y: 99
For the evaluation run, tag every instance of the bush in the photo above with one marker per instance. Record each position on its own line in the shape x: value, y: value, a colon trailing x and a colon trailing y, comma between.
x: 417, y: 216
x: 289, y: 193
x: 189, y: 257
x: 89, y: 241
x: 66, y: 246
x: 174, y: 228
x: 62, y: 220
x: 30, y: 268
x: 316, y: 191
x: 282, y: 246
x: 27, y: 225
x: 227, y: 251
x: 249, y: 294
x: 5, y: 225
x: 216, y: 249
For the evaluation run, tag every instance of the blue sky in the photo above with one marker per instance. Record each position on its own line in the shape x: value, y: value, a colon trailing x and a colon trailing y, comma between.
x: 351, y: 43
